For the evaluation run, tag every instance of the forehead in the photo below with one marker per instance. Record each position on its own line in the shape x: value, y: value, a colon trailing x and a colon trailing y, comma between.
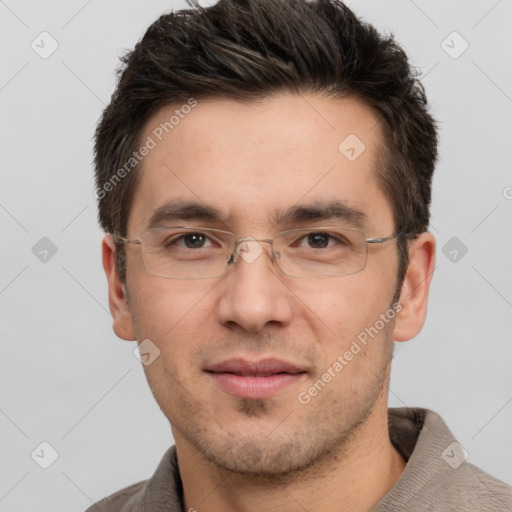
x: 253, y: 162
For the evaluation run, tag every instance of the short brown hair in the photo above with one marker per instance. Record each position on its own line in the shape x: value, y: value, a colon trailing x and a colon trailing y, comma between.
x: 250, y: 49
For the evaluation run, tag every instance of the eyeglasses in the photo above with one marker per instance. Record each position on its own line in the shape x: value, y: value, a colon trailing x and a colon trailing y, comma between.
x: 180, y: 252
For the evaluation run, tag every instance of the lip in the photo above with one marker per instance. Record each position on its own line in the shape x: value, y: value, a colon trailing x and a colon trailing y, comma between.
x: 255, y: 379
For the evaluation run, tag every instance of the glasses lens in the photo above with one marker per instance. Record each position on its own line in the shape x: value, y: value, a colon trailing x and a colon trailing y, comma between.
x: 199, y: 253
x: 186, y: 253
x: 324, y: 252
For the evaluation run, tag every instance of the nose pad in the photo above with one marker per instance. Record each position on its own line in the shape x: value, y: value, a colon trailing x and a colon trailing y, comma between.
x: 250, y: 249
x: 249, y: 252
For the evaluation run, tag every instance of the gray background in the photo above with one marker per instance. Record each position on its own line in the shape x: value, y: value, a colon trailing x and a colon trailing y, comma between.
x: 67, y: 380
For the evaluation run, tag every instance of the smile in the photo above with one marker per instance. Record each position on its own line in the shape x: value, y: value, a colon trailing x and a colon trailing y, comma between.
x: 255, y: 380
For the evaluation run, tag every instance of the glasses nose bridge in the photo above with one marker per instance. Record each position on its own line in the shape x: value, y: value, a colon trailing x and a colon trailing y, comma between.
x: 252, y: 239
x: 242, y: 249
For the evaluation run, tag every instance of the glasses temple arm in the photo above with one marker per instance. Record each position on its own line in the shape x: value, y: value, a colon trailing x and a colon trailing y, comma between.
x: 391, y: 237
x: 119, y: 240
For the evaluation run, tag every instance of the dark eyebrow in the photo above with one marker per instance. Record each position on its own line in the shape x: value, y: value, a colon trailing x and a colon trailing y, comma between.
x: 320, y: 211
x: 184, y: 210
x: 301, y: 214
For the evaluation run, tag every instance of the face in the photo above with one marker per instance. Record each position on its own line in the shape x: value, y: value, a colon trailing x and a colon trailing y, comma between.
x: 245, y: 359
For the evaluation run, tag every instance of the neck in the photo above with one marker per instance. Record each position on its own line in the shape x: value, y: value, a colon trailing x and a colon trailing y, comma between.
x: 354, y: 478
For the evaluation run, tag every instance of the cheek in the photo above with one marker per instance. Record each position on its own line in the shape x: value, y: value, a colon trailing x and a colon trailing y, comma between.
x: 173, y: 316
x: 164, y: 307
x: 174, y: 320
x: 340, y: 309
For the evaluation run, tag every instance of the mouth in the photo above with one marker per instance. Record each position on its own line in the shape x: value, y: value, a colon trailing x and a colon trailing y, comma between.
x: 257, y: 380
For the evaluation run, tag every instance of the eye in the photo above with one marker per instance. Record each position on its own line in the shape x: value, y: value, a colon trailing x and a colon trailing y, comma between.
x: 194, y: 240
x: 189, y: 241
x: 320, y: 240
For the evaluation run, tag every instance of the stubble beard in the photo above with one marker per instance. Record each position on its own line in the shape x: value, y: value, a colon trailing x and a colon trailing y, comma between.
x: 281, y: 456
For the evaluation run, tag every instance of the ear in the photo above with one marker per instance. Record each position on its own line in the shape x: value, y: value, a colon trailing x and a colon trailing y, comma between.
x: 117, y: 296
x: 415, y: 288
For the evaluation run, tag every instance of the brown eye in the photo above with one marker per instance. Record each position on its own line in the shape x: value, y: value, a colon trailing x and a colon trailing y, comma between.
x: 194, y: 240
x: 318, y: 240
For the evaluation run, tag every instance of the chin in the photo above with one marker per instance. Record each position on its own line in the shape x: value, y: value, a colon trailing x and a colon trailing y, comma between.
x: 274, y: 455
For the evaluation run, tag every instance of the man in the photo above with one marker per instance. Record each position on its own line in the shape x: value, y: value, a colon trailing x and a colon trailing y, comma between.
x: 264, y: 178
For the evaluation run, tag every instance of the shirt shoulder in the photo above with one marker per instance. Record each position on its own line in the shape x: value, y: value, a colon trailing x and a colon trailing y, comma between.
x: 437, y: 475
x: 473, y: 489
x: 125, y: 500
x: 163, y: 492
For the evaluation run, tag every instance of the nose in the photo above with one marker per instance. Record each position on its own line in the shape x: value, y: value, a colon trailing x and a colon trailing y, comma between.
x: 253, y: 294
